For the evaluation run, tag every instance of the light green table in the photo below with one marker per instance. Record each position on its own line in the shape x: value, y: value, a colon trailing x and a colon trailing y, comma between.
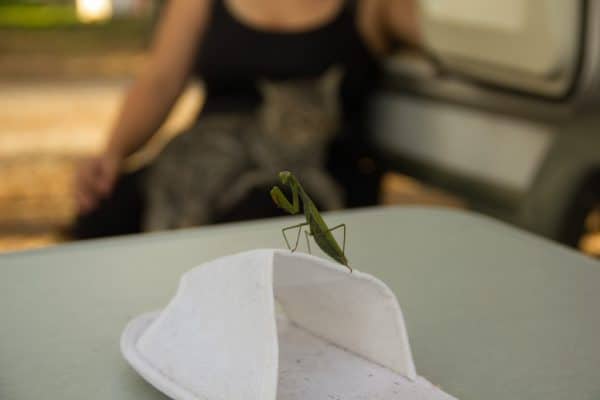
x: 492, y: 312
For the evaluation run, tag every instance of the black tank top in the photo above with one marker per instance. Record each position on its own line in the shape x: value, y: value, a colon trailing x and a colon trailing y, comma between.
x: 233, y: 56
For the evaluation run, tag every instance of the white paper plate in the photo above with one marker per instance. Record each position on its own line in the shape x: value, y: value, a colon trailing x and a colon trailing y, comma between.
x: 221, y: 338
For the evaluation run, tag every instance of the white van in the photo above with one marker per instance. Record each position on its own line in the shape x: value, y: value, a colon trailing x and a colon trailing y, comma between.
x: 504, y: 110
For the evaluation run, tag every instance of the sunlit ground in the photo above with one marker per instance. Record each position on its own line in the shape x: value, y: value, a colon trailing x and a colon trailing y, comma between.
x: 46, y: 130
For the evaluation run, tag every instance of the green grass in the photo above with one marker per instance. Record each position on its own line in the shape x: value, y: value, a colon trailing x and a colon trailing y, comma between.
x: 35, y: 16
x: 76, y: 40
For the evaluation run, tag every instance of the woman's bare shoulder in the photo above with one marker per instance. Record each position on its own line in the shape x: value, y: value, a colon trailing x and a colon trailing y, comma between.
x: 177, y: 35
x: 183, y: 18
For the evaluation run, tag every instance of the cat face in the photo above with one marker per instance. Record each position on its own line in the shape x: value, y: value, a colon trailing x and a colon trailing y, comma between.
x: 301, y: 112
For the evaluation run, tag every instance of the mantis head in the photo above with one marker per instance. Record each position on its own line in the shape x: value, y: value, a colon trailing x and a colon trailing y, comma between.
x: 284, y: 176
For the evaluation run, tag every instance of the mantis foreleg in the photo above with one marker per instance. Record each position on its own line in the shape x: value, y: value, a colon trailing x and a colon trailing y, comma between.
x: 282, y: 202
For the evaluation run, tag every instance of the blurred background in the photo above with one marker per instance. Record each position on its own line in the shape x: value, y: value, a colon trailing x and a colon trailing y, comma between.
x: 500, y: 118
x: 64, y: 66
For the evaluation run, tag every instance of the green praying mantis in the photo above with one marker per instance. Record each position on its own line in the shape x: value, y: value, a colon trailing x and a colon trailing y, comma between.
x: 318, y: 229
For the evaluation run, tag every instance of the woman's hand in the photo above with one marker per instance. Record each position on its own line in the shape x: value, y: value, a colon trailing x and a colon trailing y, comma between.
x: 95, y: 180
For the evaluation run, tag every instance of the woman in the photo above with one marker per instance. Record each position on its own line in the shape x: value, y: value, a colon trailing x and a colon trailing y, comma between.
x: 229, y: 44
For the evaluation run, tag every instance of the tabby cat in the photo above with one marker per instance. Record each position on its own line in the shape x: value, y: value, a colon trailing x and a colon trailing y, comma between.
x: 206, y: 171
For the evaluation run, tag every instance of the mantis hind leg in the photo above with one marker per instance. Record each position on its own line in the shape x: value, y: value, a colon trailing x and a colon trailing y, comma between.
x: 344, y: 239
x: 299, y: 226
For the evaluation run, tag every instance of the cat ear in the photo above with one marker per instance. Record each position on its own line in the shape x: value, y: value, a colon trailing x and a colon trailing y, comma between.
x: 266, y: 87
x: 331, y: 80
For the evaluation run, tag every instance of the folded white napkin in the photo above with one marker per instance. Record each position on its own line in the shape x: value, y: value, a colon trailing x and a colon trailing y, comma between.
x: 341, y: 335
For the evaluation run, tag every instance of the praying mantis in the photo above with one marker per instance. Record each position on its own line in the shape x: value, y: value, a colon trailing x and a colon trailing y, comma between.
x: 318, y: 229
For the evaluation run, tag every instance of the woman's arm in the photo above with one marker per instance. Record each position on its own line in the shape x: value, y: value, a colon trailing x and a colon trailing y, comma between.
x: 161, y: 81
x: 383, y: 22
x: 400, y: 21
x: 148, y: 100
